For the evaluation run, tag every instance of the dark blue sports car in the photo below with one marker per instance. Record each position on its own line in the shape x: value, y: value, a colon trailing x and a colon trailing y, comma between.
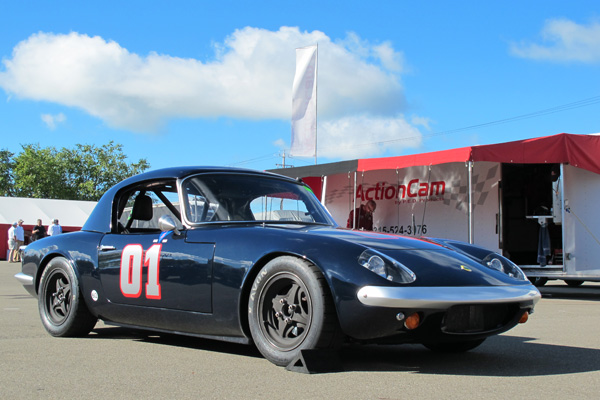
x: 253, y: 257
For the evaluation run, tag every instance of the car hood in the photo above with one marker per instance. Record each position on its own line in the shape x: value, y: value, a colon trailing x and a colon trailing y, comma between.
x: 435, y: 264
x: 379, y: 241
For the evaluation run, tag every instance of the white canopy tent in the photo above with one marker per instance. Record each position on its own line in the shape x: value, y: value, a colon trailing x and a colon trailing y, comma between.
x: 72, y: 214
x: 69, y: 212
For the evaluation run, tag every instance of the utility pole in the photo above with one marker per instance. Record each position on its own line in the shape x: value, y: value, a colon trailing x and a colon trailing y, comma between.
x: 282, y: 165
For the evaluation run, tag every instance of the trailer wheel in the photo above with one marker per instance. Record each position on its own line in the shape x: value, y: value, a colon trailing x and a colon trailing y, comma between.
x: 573, y: 282
x: 538, y: 281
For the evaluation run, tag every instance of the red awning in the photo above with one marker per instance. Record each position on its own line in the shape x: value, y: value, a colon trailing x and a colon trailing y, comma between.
x: 438, y: 157
x: 582, y: 151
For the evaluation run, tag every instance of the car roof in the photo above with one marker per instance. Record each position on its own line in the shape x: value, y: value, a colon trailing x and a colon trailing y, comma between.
x: 99, y: 219
x: 182, y: 172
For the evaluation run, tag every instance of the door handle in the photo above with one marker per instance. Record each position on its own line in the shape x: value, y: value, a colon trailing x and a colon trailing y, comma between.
x: 106, y: 248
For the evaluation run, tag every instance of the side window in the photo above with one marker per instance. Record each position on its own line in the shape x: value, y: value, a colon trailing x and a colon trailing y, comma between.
x: 200, y: 209
x: 280, y: 207
x: 141, y: 208
x: 200, y: 202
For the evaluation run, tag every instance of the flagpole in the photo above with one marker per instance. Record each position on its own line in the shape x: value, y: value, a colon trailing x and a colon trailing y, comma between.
x: 316, y: 102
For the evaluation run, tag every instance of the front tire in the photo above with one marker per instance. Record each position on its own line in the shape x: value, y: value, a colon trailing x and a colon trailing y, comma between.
x: 290, y: 310
x: 61, y: 306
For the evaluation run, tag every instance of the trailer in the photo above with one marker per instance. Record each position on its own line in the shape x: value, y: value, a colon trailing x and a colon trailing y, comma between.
x: 532, y: 200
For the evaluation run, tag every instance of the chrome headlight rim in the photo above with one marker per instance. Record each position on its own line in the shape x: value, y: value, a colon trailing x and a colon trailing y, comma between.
x: 497, y: 262
x: 386, y: 267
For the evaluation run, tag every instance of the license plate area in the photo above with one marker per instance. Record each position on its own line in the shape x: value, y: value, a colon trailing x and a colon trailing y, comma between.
x: 477, y: 318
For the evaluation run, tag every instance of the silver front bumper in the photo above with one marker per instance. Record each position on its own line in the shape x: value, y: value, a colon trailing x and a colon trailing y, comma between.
x: 27, y: 282
x: 442, y: 298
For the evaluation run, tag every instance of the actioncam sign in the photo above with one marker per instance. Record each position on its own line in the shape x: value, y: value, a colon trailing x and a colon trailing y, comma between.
x: 411, y: 192
x: 430, y: 201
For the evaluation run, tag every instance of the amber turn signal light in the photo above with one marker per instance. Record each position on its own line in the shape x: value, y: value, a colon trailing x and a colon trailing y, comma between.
x: 412, y: 321
x: 524, y: 317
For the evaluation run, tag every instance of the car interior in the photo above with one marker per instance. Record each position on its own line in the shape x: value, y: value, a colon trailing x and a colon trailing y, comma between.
x: 140, y: 207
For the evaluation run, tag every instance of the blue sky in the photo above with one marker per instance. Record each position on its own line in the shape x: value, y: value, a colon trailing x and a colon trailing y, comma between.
x: 209, y: 83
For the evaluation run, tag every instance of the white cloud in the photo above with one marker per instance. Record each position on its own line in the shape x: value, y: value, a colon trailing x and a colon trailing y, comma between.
x: 563, y: 41
x: 390, y: 58
x: 280, y: 143
x: 424, y: 122
x: 52, y: 121
x: 363, y: 135
x: 250, y: 77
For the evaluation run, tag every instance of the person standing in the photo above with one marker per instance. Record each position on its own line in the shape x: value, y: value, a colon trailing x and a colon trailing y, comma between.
x: 362, y: 216
x: 20, y: 237
x: 55, y: 228
x: 12, y: 242
x: 38, y: 232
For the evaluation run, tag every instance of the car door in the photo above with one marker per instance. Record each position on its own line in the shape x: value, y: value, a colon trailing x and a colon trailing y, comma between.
x: 141, y: 266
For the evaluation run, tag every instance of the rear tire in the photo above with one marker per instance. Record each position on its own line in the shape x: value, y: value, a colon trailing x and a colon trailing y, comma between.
x: 290, y: 310
x: 61, y: 306
x: 453, y: 347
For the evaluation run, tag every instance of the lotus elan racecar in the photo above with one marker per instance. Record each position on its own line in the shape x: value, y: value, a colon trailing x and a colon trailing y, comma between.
x: 253, y: 257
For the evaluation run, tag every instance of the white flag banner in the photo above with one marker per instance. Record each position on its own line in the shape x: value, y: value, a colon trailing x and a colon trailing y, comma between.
x: 304, y: 103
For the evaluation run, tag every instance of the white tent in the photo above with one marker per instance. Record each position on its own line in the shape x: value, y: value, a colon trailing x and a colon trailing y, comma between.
x: 71, y: 214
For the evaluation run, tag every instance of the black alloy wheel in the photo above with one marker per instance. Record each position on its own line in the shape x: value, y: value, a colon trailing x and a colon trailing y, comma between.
x: 58, y: 297
x: 286, y: 311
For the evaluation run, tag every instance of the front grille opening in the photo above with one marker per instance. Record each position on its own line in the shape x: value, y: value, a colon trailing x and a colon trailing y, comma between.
x: 478, y: 318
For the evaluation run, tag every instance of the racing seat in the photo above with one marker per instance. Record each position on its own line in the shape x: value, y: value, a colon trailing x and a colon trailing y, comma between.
x: 141, y: 210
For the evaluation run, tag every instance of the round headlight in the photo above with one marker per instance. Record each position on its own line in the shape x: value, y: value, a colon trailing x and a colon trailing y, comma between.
x: 376, y: 264
x: 386, y: 267
x: 496, y: 264
x: 500, y: 263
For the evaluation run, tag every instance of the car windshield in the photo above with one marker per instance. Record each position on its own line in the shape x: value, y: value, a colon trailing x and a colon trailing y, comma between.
x: 246, y: 197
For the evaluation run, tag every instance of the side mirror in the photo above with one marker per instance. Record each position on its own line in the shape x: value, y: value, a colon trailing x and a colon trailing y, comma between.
x: 166, y: 223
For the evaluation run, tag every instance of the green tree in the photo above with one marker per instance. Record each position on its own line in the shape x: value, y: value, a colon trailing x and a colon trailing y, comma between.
x: 93, y: 170
x: 6, y: 171
x: 37, y: 173
x: 82, y: 173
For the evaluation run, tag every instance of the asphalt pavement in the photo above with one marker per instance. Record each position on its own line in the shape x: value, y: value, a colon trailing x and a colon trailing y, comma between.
x: 555, y: 355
